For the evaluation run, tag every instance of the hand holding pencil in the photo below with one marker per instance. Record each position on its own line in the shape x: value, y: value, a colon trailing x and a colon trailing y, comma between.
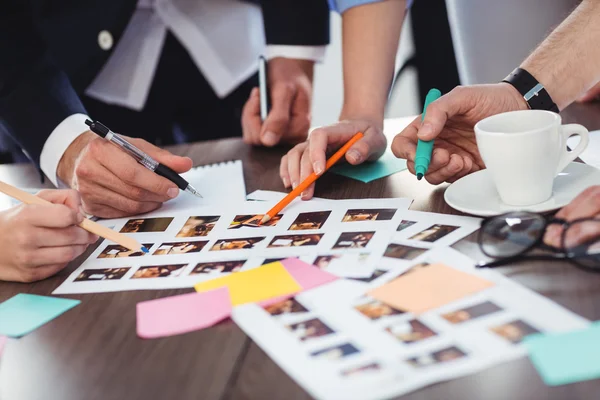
x: 39, y: 240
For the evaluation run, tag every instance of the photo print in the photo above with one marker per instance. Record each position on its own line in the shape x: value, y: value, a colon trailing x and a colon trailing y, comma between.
x: 309, y: 220
x: 403, y: 252
x: 286, y: 307
x: 218, y: 267
x: 437, y: 357
x: 272, y: 260
x: 353, y: 240
x: 144, y: 225
x: 106, y: 274
x: 253, y: 221
x: 405, y: 224
x: 374, y: 309
x: 514, y: 331
x: 180, y: 248
x: 296, y: 240
x: 322, y: 262
x: 116, y: 251
x: 372, y: 367
x: 376, y: 274
x: 410, y: 331
x: 198, y: 226
x: 311, y: 329
x: 434, y: 232
x: 237, y: 244
x: 470, y: 313
x: 158, y: 271
x: 335, y: 352
x: 369, y: 214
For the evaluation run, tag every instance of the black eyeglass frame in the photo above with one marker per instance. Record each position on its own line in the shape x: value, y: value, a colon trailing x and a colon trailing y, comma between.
x: 557, y: 253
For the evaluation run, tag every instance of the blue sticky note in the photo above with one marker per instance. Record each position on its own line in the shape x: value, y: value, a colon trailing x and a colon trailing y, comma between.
x: 387, y: 165
x: 24, y: 313
x: 563, y: 358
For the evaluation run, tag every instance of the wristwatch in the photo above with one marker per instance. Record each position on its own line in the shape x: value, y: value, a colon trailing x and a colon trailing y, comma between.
x: 532, y: 91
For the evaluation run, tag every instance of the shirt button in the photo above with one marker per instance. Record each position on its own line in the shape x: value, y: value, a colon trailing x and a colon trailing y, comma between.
x: 105, y: 40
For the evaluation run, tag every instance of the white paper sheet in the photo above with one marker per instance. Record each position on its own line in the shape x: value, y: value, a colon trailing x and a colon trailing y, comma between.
x: 321, y: 229
x: 591, y: 155
x: 337, y: 343
x: 218, y: 183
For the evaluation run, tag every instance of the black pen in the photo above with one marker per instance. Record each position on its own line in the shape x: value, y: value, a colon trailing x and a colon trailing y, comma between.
x: 263, y: 87
x: 141, y: 157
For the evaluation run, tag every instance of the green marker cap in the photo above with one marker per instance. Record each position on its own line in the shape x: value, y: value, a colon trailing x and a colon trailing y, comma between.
x: 424, y: 149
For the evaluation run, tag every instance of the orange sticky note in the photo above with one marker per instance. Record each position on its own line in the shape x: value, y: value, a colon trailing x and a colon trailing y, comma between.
x: 427, y: 288
x: 255, y: 285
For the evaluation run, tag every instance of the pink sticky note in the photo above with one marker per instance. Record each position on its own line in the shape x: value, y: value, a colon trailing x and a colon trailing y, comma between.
x: 308, y: 276
x: 3, y: 340
x: 181, y: 314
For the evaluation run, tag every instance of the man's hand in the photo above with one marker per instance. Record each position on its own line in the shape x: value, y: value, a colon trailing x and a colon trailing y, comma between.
x: 310, y: 156
x: 450, y: 121
x: 290, y: 86
x: 40, y: 240
x: 586, y: 205
x: 111, y: 183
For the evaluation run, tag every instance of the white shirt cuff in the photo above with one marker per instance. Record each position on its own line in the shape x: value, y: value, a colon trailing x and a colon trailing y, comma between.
x: 312, y: 53
x: 57, y: 143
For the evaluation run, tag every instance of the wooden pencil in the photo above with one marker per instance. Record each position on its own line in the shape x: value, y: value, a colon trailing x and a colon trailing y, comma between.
x: 86, y: 224
x: 310, y: 179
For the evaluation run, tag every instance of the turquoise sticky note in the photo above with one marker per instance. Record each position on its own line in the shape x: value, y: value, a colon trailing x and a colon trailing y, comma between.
x: 387, y: 165
x: 563, y: 358
x: 24, y: 313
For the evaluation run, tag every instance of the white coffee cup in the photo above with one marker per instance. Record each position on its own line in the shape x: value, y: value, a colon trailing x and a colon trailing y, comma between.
x: 524, y: 151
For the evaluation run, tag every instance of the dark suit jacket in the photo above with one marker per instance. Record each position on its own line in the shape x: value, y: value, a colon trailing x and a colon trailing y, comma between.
x: 49, y: 54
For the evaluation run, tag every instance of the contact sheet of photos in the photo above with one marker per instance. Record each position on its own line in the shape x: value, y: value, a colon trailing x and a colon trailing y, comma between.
x: 339, y: 343
x: 350, y: 236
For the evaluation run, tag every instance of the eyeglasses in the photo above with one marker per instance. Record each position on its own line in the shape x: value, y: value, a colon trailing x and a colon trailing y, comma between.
x: 512, y: 236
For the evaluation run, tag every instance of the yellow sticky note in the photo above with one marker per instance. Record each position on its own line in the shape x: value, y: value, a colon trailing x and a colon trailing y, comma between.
x: 255, y: 285
x: 429, y: 287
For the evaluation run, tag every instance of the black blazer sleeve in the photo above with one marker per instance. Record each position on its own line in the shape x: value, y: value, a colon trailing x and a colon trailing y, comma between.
x: 35, y: 95
x: 296, y: 22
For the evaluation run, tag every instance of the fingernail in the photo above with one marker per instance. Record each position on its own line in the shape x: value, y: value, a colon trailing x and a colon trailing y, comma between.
x: 294, y: 184
x: 317, y: 168
x: 269, y: 139
x: 354, y: 156
x: 173, y: 192
x: 286, y: 182
x: 426, y: 129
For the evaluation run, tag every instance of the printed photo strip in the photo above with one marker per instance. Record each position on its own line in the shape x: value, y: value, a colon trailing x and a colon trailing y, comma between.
x: 311, y: 329
x: 198, y: 226
x: 180, y: 248
x: 373, y: 214
x: 158, y: 271
x: 471, y: 313
x: 403, y: 252
x: 437, y: 357
x: 237, y: 244
x: 286, y: 307
x: 218, y: 267
x: 116, y: 251
x: 146, y: 225
x: 309, y: 221
x: 336, y: 352
x: 253, y: 221
x: 296, y: 240
x: 411, y: 331
x: 353, y: 240
x: 434, y: 232
x: 106, y: 274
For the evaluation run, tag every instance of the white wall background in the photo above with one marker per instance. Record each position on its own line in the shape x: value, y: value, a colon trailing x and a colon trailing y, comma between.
x: 328, y: 87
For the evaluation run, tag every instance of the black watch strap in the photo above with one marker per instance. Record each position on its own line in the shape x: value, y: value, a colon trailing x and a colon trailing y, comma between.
x: 533, y: 92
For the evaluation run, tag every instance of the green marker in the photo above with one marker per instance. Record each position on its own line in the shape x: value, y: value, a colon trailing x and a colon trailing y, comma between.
x: 424, y: 149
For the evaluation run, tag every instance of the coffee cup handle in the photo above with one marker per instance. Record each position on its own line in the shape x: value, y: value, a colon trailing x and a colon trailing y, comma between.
x: 567, y: 156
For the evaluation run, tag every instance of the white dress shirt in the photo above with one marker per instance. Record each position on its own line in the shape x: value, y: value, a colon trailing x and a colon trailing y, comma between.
x: 223, y: 37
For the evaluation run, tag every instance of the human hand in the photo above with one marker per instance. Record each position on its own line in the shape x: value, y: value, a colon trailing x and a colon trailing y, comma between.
x: 310, y: 156
x: 585, y: 205
x: 450, y: 121
x: 290, y: 86
x: 40, y: 240
x: 111, y: 183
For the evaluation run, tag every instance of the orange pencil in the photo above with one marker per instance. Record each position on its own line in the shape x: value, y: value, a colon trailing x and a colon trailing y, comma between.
x: 311, y: 179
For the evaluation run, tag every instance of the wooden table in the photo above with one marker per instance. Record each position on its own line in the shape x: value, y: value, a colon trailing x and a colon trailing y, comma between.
x: 92, y: 351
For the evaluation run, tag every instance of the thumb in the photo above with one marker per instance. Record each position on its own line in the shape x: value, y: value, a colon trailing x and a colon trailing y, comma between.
x: 438, y: 113
x: 69, y: 197
x: 277, y: 122
x: 369, y: 148
x: 176, y: 163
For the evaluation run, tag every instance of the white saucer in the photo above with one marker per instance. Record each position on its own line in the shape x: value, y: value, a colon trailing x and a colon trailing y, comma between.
x: 476, y: 194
